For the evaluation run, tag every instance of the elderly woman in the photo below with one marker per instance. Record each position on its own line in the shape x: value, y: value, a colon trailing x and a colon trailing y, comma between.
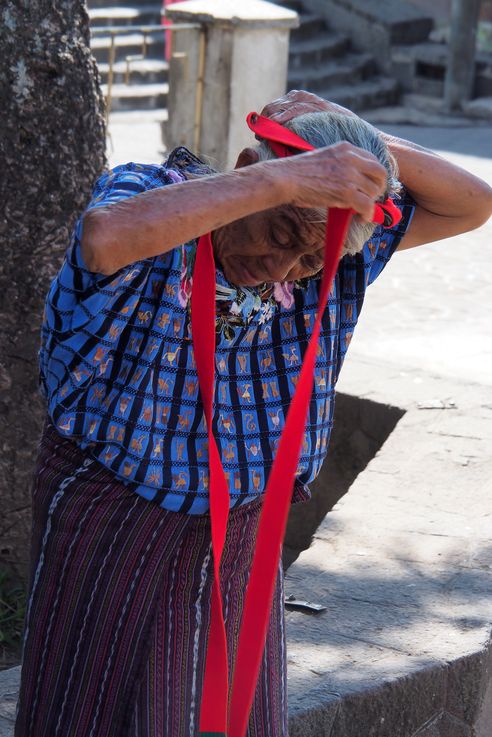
x: 121, y: 567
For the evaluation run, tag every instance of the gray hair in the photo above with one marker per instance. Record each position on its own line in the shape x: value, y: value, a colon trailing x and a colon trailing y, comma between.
x: 326, y: 128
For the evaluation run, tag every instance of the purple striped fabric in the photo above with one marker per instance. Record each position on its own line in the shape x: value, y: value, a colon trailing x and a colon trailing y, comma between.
x: 119, y: 608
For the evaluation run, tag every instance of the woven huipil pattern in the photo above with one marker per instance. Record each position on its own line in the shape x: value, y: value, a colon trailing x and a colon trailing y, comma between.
x: 118, y: 371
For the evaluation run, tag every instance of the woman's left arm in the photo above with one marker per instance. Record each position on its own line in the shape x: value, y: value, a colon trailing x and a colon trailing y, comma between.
x: 449, y: 199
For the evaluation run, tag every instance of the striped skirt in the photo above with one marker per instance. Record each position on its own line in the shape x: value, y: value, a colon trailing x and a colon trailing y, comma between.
x: 119, y: 609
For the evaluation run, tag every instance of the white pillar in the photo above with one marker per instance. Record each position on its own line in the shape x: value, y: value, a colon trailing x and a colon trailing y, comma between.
x: 244, y: 67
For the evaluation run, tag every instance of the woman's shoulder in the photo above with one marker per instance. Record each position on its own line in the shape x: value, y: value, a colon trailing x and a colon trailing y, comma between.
x: 180, y: 164
x: 143, y: 175
x: 186, y: 163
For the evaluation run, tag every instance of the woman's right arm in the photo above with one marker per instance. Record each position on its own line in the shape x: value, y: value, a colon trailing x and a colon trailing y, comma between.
x: 158, y: 220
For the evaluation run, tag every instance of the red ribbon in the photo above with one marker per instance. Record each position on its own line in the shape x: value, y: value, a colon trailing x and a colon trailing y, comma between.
x: 215, y: 721
x: 284, y: 142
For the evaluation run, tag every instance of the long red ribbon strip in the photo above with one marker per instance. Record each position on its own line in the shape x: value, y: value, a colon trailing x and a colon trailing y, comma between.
x: 214, y: 718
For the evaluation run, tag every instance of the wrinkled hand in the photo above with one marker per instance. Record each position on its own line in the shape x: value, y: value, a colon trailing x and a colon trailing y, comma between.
x: 341, y: 175
x: 299, y: 102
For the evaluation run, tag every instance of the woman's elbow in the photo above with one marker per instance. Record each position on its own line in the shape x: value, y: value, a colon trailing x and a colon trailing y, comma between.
x: 483, y: 211
x: 92, y: 247
x: 488, y: 204
x: 479, y: 211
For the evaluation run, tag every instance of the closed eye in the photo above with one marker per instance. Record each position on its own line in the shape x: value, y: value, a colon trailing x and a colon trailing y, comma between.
x: 312, y: 261
x: 284, y: 231
x: 280, y: 238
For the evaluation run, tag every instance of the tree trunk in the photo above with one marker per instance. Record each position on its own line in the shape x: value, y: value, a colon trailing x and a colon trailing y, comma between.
x: 52, y: 146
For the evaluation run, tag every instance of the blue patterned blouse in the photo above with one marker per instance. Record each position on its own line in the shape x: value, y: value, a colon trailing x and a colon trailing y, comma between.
x: 118, y: 373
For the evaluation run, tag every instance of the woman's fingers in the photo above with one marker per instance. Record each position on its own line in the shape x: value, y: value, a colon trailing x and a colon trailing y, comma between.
x: 337, y: 176
x: 371, y: 187
x: 363, y: 205
x: 366, y: 163
x: 299, y: 102
x: 353, y: 199
x: 294, y: 103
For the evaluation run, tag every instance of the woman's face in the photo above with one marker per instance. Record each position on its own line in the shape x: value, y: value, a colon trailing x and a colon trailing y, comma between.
x: 283, y: 244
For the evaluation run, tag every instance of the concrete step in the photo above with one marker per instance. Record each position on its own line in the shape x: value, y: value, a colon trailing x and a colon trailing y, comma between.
x: 295, y: 5
x: 138, y: 96
x: 125, y: 4
x: 314, y: 51
x: 122, y: 15
x: 350, y: 68
x: 421, y: 68
x: 372, y: 93
x: 480, y: 108
x: 310, y: 25
x: 402, y: 21
x: 128, y: 43
x: 428, y: 112
x: 425, y: 60
x: 142, y: 71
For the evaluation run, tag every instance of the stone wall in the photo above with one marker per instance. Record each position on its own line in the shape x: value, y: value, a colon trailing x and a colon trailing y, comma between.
x: 52, y: 146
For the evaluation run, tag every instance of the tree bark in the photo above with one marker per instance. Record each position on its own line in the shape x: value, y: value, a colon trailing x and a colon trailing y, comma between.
x: 460, y: 73
x: 52, y: 148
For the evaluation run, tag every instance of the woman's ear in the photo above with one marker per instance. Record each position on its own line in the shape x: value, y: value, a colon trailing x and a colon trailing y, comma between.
x: 246, y: 157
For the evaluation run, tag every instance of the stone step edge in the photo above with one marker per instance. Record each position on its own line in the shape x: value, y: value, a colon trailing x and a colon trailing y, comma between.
x: 123, y: 91
x: 364, y: 706
x: 374, y: 11
x: 139, y: 65
x: 403, y: 115
x: 364, y: 96
x: 355, y: 706
x: 346, y: 62
x: 122, y: 11
x: 126, y: 39
x: 320, y: 40
x: 375, y: 83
